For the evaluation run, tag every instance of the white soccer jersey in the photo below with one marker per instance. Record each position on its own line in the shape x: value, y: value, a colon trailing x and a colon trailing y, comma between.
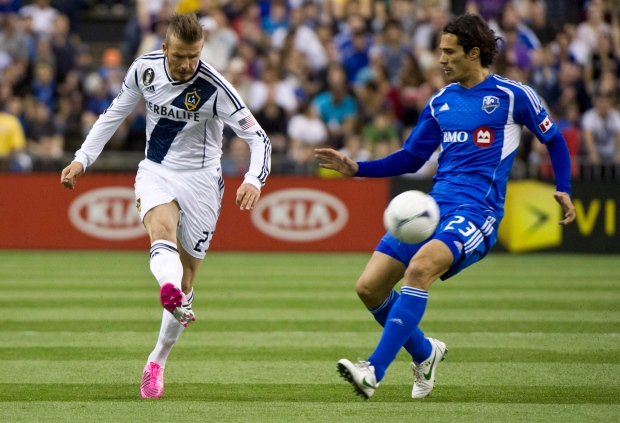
x: 184, y: 119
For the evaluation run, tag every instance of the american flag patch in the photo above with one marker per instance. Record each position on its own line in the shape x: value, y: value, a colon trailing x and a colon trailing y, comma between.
x: 247, y: 122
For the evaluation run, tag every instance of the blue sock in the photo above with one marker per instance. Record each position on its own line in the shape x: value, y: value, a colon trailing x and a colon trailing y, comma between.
x: 404, y: 317
x: 417, y: 345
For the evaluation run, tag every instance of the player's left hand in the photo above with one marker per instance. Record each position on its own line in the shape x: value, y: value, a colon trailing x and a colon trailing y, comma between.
x: 567, y: 207
x: 247, y: 196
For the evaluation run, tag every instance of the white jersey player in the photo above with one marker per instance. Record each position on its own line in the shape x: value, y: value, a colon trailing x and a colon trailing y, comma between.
x: 179, y: 186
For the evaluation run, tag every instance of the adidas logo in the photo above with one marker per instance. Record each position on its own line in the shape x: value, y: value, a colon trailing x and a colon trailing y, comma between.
x: 150, y: 89
x: 397, y: 321
x: 444, y: 107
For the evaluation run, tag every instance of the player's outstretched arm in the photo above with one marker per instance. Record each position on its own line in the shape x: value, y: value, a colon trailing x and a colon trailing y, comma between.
x: 334, y: 160
x: 70, y: 174
x: 567, y: 207
x: 247, y: 196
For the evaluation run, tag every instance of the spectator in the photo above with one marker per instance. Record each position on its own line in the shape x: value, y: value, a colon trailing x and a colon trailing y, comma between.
x: 304, y: 39
x: 153, y: 40
x: 427, y: 35
x: 237, y: 75
x: 273, y: 118
x: 271, y: 80
x: 220, y: 41
x: 12, y: 144
x: 277, y: 17
x: 601, y: 131
x: 355, y: 148
x: 489, y: 10
x: 544, y: 29
x: 43, y: 84
x: 306, y: 132
x: 237, y: 159
x: 336, y: 106
x: 358, y: 59
x: 514, y: 53
x: 14, y: 41
x: 602, y: 59
x: 63, y: 49
x: 381, y: 135
x: 42, y: 15
x: 394, y: 48
x: 44, y: 141
x: 587, y: 34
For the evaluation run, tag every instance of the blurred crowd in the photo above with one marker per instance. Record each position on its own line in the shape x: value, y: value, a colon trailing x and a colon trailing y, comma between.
x: 347, y: 74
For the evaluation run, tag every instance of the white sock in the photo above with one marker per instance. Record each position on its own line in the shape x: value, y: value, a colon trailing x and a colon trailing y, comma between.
x: 165, y: 262
x: 169, y: 333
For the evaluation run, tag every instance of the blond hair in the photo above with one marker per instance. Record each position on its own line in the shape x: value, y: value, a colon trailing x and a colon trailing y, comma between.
x: 185, y: 27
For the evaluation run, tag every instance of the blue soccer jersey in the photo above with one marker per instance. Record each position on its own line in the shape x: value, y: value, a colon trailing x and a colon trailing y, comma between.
x: 478, y: 130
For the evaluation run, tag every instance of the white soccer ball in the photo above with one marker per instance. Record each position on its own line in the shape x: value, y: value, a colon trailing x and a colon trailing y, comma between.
x: 411, y: 216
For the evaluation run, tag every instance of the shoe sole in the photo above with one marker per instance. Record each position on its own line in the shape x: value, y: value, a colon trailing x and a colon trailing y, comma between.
x: 170, y: 296
x: 346, y: 375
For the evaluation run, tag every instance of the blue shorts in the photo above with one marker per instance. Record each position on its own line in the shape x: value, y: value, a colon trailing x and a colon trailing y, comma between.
x: 469, y: 233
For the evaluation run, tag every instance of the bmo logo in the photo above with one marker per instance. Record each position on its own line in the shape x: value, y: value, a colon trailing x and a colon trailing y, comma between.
x: 455, y: 136
x: 107, y: 213
x: 483, y: 136
x: 299, y: 215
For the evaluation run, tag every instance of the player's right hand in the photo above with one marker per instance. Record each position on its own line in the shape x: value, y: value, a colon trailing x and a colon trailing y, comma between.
x: 334, y: 160
x: 70, y: 174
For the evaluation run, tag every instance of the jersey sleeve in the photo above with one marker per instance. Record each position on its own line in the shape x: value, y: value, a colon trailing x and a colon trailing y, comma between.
x: 110, y: 120
x: 233, y: 112
x: 426, y: 136
x: 530, y: 111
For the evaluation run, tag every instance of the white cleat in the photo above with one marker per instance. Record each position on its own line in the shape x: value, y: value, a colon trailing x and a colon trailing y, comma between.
x: 361, y: 375
x: 424, y: 372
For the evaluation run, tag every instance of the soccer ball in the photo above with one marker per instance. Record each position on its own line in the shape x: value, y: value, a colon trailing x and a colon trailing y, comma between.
x: 411, y: 216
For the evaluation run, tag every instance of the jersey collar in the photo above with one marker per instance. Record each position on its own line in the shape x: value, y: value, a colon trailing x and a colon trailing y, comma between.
x: 172, y: 81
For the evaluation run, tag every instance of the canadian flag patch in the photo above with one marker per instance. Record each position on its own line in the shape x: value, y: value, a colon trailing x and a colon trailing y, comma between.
x: 546, y: 124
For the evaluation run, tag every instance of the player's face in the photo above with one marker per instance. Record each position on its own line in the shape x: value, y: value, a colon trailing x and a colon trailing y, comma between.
x: 182, y: 58
x: 456, y: 64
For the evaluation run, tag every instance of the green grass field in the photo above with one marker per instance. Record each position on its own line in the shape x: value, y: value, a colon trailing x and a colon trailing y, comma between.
x: 531, y: 338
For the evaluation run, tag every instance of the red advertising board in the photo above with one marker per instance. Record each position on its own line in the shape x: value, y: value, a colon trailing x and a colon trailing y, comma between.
x: 294, y: 214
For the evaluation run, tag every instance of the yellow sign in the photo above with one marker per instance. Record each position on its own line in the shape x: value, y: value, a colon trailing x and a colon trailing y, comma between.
x: 531, y: 217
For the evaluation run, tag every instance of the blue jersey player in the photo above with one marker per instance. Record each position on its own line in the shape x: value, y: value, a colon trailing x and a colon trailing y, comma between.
x: 477, y: 121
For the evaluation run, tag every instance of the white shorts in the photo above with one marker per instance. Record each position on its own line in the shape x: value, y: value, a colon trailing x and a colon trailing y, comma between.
x: 198, y: 193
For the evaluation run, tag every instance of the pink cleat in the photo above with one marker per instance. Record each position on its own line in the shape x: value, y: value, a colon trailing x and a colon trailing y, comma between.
x: 172, y: 299
x: 152, y: 385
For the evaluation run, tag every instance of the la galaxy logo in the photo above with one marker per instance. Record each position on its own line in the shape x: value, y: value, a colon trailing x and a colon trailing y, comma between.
x: 139, y: 204
x: 490, y: 103
x: 191, y: 100
x: 148, y: 76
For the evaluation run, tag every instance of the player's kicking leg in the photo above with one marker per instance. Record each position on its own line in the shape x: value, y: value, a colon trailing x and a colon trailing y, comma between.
x: 424, y: 372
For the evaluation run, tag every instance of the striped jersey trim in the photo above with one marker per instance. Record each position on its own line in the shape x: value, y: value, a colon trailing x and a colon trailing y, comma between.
x: 265, y: 169
x: 531, y: 94
x: 236, y: 101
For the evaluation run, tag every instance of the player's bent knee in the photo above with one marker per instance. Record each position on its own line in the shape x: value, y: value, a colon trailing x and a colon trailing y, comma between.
x: 420, y: 274
x: 370, y: 294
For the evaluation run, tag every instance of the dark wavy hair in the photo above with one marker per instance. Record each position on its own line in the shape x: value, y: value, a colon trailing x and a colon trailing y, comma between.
x: 471, y: 31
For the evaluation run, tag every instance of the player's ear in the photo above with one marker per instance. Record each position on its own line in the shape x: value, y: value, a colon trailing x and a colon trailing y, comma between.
x: 474, y: 53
